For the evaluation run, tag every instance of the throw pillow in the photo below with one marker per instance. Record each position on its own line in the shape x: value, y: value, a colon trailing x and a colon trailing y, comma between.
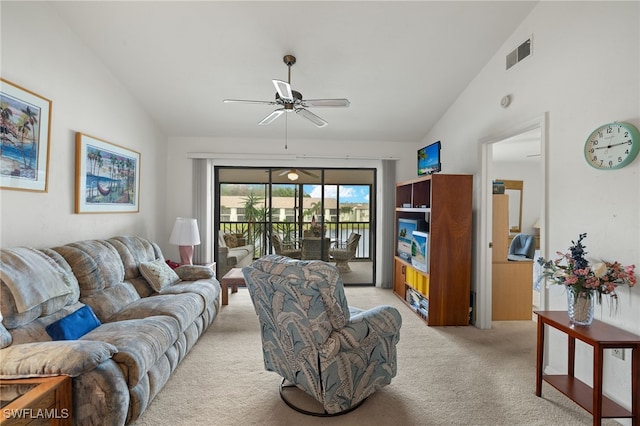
x: 231, y: 240
x: 73, y: 326
x: 194, y: 272
x: 158, y: 274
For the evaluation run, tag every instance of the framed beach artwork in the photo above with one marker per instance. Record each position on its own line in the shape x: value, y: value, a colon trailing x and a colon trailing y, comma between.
x: 107, y: 177
x: 25, y: 127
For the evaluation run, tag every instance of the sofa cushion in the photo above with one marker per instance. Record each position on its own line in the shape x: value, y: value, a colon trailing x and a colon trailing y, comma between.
x: 184, y: 308
x: 32, y: 277
x: 74, y: 325
x: 96, y: 264
x: 158, y: 274
x: 194, y: 272
x: 140, y: 343
x: 133, y: 251
x: 208, y: 290
x: 42, y: 359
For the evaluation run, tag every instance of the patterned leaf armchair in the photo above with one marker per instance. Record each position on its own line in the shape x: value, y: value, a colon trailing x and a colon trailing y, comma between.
x: 338, y: 355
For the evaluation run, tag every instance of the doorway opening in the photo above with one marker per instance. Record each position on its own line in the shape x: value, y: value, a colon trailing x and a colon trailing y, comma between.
x: 514, y: 156
x: 304, y: 213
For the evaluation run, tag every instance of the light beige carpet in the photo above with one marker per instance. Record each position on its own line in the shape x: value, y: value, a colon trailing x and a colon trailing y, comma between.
x: 446, y: 376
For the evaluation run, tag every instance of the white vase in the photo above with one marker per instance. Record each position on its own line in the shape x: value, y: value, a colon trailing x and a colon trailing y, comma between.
x: 580, y: 307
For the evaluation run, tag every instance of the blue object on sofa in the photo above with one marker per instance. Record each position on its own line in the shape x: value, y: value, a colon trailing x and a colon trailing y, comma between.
x: 74, y: 325
x: 311, y: 337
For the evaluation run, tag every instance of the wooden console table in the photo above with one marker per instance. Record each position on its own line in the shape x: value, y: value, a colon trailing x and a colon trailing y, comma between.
x: 600, y: 336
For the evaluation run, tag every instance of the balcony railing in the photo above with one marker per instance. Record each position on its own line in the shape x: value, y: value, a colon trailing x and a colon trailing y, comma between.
x: 256, y: 233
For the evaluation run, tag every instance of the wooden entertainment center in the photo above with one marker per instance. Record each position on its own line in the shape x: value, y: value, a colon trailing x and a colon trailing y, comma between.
x: 443, y: 293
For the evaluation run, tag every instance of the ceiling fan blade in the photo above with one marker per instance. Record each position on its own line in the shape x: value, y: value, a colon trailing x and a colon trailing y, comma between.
x: 285, y: 172
x: 308, y: 173
x: 271, y: 117
x: 243, y: 101
x: 284, y: 90
x: 311, y: 117
x: 326, y: 103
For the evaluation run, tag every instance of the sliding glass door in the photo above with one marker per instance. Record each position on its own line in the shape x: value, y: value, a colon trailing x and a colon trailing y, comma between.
x: 303, y: 213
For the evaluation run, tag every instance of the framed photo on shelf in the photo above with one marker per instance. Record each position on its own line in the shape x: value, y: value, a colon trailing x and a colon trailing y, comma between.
x: 107, y: 177
x: 25, y: 127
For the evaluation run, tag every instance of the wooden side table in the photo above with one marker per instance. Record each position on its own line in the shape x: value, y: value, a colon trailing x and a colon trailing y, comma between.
x: 234, y: 278
x: 600, y: 336
x: 37, y: 400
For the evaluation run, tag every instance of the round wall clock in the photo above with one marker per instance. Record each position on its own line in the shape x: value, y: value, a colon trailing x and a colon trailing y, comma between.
x: 612, y: 146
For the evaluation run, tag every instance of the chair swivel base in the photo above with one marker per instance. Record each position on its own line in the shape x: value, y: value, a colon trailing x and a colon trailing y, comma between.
x: 322, y: 413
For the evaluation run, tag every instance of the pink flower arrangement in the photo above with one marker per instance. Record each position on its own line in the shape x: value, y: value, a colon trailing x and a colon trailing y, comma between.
x: 573, y: 270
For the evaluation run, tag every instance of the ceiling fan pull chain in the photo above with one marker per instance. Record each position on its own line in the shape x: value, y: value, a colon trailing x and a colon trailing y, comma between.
x: 286, y: 126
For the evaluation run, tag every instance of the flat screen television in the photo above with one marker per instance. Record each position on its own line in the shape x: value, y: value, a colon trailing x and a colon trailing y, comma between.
x: 405, y: 232
x: 420, y: 250
x: 429, y: 159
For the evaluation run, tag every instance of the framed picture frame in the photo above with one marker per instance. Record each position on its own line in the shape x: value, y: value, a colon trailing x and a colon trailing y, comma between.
x: 25, y: 129
x: 107, y: 177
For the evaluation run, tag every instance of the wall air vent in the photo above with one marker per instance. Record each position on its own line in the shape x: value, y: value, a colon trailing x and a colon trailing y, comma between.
x: 519, y: 53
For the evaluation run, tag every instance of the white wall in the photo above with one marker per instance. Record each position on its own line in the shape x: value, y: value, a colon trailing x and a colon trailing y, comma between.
x: 40, y: 53
x: 584, y: 72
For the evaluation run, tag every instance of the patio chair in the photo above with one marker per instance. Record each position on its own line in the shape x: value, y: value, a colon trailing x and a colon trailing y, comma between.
x: 285, y: 249
x: 342, y: 253
x: 337, y: 354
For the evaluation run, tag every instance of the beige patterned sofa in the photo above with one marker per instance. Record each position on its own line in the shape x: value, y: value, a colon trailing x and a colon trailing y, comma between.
x: 149, y: 318
x: 235, y: 255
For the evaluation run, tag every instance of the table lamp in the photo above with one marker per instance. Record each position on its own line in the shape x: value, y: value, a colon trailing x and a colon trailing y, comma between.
x: 185, y: 235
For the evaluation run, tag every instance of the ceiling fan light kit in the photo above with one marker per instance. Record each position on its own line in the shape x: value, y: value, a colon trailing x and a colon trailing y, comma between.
x: 292, y: 100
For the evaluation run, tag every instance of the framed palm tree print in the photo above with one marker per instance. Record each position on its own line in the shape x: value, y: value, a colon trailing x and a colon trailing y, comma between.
x: 25, y: 126
x: 107, y: 177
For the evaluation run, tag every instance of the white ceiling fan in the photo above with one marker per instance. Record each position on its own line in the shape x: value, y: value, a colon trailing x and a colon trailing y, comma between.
x: 294, y: 174
x: 291, y: 100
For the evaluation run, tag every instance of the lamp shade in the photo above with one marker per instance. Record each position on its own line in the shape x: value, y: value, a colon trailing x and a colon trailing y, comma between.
x: 185, y: 232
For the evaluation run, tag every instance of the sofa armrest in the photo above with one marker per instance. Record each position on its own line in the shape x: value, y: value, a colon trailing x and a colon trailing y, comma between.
x: 194, y: 272
x: 64, y: 357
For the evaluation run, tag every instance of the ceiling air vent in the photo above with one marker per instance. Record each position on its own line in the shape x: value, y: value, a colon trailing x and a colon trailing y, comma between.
x: 519, y: 53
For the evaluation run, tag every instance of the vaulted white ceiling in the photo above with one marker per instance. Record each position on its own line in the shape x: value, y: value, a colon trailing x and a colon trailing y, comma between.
x: 401, y: 64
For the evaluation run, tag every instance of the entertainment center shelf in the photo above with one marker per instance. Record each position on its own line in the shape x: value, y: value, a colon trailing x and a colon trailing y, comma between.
x: 440, y: 204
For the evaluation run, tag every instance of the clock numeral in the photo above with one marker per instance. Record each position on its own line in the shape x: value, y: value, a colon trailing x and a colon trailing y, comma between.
x: 619, y: 159
x: 610, y: 163
x: 609, y: 130
x: 627, y: 151
x: 626, y: 135
x: 595, y: 141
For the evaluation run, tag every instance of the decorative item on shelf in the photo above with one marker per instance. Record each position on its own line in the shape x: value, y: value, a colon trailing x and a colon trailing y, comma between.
x: 316, y: 228
x: 185, y: 234
x: 586, y: 283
